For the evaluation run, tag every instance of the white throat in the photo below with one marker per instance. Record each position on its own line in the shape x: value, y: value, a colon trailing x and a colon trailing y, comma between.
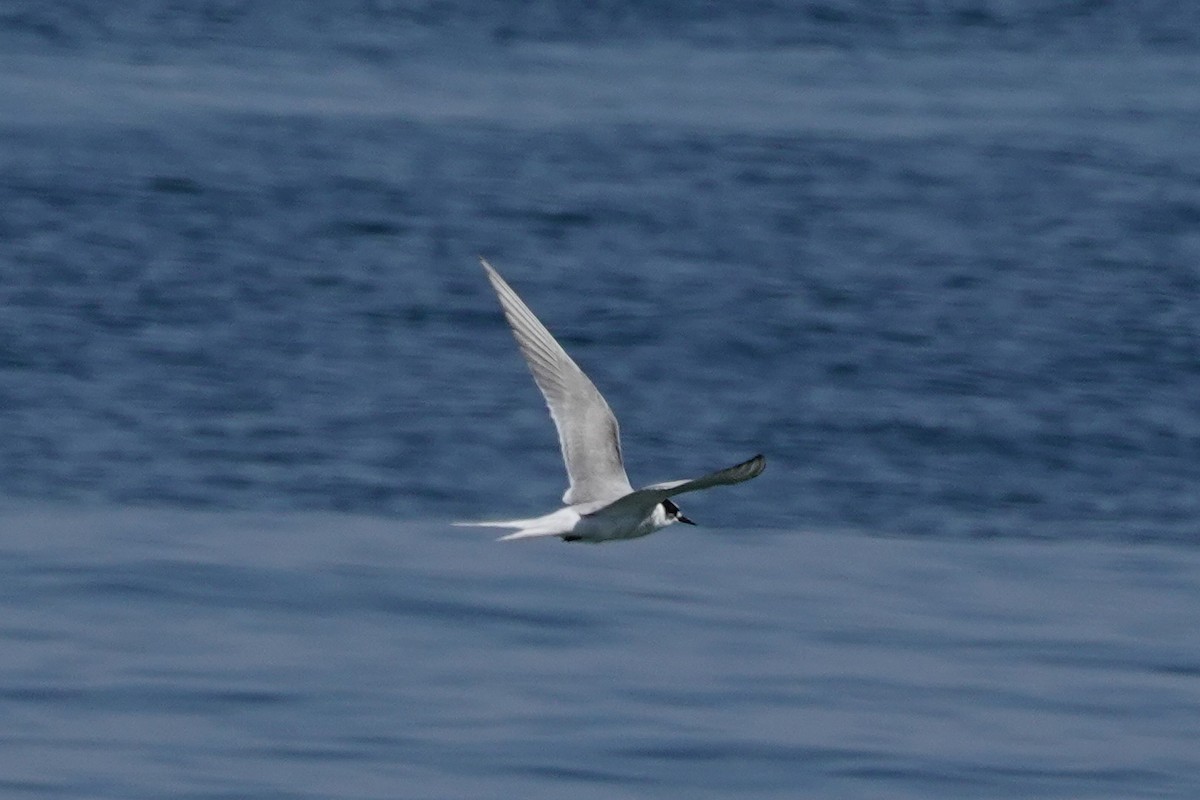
x: 660, y: 519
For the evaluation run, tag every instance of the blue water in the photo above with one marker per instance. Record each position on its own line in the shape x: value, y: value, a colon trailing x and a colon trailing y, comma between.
x: 939, y: 264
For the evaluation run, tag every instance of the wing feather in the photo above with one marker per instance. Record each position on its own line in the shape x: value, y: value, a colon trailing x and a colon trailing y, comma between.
x: 587, y: 430
x: 643, y: 500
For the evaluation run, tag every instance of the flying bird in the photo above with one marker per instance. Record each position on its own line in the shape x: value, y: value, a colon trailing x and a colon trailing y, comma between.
x: 600, y: 505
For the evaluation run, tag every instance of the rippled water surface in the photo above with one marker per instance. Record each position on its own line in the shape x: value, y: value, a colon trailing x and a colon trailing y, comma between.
x: 235, y: 655
x: 939, y: 264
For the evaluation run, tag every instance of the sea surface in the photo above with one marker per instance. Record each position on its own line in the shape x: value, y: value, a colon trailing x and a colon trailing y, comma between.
x: 940, y: 262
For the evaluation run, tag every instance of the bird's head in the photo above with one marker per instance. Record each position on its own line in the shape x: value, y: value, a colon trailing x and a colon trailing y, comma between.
x: 673, y: 514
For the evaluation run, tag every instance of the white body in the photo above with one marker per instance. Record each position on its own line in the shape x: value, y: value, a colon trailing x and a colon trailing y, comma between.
x: 601, y: 504
x: 576, y: 524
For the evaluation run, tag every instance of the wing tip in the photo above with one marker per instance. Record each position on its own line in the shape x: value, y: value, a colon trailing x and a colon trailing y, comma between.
x: 756, y: 463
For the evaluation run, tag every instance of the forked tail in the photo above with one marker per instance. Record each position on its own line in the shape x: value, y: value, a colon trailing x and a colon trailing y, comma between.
x: 530, y: 533
x: 498, y: 523
x: 527, y: 528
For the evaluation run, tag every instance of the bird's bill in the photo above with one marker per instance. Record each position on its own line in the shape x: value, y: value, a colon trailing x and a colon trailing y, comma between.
x: 684, y: 520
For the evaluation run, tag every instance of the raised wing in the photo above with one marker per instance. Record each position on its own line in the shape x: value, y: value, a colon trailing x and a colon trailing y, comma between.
x: 587, y: 429
x: 644, y: 500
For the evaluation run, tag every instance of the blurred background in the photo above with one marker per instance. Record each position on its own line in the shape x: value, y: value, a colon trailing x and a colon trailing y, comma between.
x: 939, y: 261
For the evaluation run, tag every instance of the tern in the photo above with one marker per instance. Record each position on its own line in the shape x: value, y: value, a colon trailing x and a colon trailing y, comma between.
x: 600, y: 505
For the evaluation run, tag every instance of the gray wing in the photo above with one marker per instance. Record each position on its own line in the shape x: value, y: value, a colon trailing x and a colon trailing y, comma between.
x: 646, y: 499
x: 587, y: 429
